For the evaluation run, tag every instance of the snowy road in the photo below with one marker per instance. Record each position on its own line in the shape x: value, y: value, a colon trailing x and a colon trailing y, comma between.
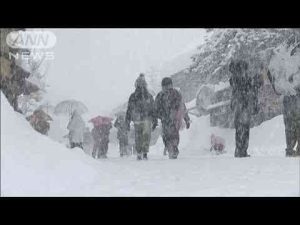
x: 34, y: 165
x: 197, y: 176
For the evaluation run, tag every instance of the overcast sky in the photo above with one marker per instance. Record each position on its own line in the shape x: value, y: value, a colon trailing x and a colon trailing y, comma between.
x: 99, y: 66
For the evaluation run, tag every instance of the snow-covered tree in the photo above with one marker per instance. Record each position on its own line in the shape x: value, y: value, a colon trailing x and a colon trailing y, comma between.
x: 210, y: 64
x: 210, y: 67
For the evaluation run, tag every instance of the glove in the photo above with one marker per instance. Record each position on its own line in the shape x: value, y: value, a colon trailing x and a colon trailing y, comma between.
x: 188, y: 125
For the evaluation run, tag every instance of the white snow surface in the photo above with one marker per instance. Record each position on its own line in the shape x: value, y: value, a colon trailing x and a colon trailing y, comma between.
x: 34, y: 165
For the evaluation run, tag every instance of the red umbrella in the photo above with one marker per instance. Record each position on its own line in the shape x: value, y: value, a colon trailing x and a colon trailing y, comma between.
x: 100, y: 120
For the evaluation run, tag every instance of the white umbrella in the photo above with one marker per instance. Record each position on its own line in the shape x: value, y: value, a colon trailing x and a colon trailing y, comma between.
x: 69, y: 106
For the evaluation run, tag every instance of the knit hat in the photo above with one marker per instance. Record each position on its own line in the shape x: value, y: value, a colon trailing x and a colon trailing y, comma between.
x: 141, y: 81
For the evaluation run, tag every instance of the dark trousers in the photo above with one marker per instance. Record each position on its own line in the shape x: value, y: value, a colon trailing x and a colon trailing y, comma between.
x: 100, y: 149
x: 291, y: 117
x: 123, y: 144
x: 74, y: 145
x: 142, y: 136
x: 170, y: 137
x: 123, y: 148
x: 242, y: 132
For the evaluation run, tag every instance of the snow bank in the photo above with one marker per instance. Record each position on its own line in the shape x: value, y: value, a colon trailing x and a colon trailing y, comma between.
x: 268, y: 139
x: 32, y: 164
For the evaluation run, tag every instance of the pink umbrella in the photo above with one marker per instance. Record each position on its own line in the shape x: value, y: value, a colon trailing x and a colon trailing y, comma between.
x: 100, y: 120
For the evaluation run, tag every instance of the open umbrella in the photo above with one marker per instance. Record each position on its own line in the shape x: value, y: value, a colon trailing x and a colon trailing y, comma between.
x: 101, y: 120
x: 69, y: 106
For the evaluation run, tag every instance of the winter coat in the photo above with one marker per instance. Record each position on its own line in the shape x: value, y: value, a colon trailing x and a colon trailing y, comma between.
x: 170, y: 108
x: 104, y: 130
x: 244, y: 100
x: 76, y: 128
x: 96, y: 133
x: 120, y: 124
x: 217, y: 143
x: 140, y: 107
x: 101, y: 134
x: 291, y: 106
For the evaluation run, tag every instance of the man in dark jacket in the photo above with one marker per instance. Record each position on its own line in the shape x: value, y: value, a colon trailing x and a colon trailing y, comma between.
x: 243, y: 103
x: 170, y: 109
x: 141, y: 111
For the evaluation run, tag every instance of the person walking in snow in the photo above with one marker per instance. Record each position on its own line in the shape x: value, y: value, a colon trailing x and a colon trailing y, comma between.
x: 284, y: 75
x: 76, y: 128
x: 244, y: 102
x: 170, y: 109
x: 100, y: 134
x: 140, y: 110
x: 122, y: 134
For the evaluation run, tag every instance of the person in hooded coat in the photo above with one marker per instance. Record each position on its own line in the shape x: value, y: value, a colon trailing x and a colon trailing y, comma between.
x: 244, y: 102
x: 76, y: 129
x: 140, y: 110
x: 170, y: 109
x: 122, y: 134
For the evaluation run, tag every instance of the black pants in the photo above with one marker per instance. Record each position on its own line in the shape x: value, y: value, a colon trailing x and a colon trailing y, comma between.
x: 242, y: 132
x: 123, y: 148
x: 291, y: 116
x: 170, y: 135
x: 100, y: 149
x: 142, y: 131
x: 74, y: 145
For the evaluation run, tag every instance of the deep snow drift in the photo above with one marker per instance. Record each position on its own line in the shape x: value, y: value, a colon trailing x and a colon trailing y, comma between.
x: 34, y: 165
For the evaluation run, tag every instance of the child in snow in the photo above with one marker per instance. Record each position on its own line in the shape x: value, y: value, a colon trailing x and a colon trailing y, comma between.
x: 122, y: 134
x: 217, y: 143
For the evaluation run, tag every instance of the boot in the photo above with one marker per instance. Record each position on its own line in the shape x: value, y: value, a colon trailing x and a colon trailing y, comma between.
x: 139, y: 157
x: 172, y: 156
x: 238, y: 154
x: 145, y: 156
x: 290, y: 153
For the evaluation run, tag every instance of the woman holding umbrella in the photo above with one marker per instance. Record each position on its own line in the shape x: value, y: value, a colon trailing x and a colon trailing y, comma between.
x: 76, y: 125
x: 76, y: 128
x: 100, y: 133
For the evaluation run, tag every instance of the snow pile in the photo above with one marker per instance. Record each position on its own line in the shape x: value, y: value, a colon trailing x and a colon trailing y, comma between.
x: 34, y: 165
x: 268, y: 139
x: 285, y: 66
